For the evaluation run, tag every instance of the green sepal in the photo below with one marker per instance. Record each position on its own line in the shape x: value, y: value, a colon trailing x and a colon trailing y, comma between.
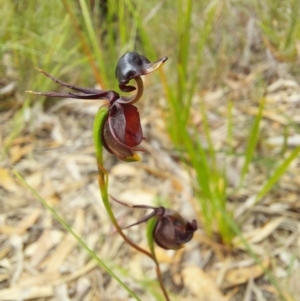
x: 151, y: 224
x: 97, y: 131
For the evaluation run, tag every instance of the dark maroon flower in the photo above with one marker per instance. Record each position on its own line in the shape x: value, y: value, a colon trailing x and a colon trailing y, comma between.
x: 122, y: 131
x: 171, y: 230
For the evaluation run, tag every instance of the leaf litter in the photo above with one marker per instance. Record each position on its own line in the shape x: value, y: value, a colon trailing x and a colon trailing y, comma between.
x: 39, y: 260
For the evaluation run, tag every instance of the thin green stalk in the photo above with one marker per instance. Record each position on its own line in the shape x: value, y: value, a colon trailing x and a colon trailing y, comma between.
x: 80, y: 241
x: 208, y: 136
x: 280, y: 170
x: 193, y: 75
x: 93, y: 39
x: 252, y: 142
x: 84, y: 43
x: 230, y: 126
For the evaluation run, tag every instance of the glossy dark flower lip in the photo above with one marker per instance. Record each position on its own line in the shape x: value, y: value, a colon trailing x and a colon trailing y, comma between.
x: 122, y: 132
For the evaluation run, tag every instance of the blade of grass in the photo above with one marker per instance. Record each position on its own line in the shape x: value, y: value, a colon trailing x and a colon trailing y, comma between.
x: 230, y: 126
x: 84, y: 43
x: 280, y: 170
x: 294, y: 25
x: 207, y: 134
x: 93, y: 39
x: 205, y: 33
x: 252, y: 141
x: 80, y: 241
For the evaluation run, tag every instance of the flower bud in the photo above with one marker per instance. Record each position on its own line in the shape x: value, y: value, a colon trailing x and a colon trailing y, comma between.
x: 167, y: 227
x: 172, y: 231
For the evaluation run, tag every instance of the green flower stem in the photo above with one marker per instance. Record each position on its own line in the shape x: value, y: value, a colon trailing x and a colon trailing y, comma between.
x: 103, y: 177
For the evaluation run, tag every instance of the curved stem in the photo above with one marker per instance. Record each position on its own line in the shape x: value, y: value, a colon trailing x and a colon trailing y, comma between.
x: 161, y: 282
x: 133, y: 99
x: 102, y: 180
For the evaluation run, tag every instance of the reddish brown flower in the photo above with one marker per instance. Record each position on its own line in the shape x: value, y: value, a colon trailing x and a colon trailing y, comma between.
x: 171, y: 230
x: 122, y: 131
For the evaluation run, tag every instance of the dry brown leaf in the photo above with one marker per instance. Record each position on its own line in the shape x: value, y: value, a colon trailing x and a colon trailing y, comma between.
x: 7, y: 181
x: 24, y: 293
x: 18, y: 152
x: 4, y: 277
x: 39, y: 279
x: 35, y: 180
x: 8, y: 230
x: 174, y: 267
x: 4, y: 251
x: 122, y: 169
x: 137, y: 196
x: 135, y: 266
x: 53, y: 199
x: 201, y: 285
x: 164, y: 256
x: 22, y: 140
x: 242, y: 275
x: 259, y: 234
x: 268, y: 114
x: 61, y: 293
x: 27, y: 222
x: 44, y: 244
x: 55, y: 278
x: 67, y: 244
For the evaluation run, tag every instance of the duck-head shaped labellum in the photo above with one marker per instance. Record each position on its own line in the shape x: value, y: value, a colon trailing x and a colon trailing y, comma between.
x: 122, y: 132
x: 132, y: 65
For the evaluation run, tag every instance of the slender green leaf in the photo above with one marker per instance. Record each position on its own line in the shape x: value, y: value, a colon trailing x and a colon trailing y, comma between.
x: 252, y: 141
x: 151, y: 224
x: 279, y: 171
x: 80, y: 241
x: 97, y: 48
